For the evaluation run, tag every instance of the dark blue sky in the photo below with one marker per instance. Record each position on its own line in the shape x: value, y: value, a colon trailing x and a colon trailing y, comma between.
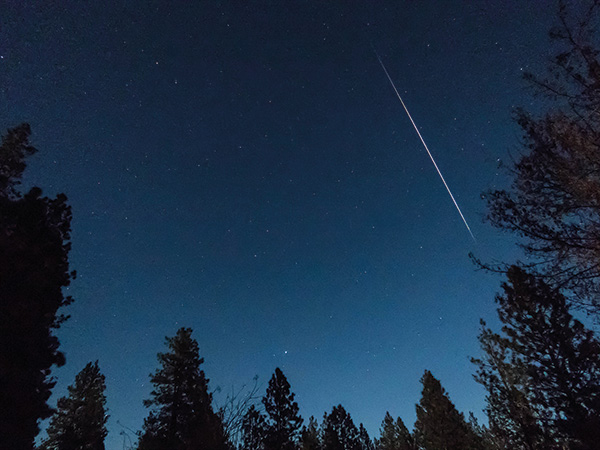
x: 246, y: 170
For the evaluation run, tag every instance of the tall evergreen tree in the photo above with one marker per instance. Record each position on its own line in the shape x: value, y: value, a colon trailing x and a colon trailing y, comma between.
x: 181, y: 416
x: 282, y: 425
x: 394, y: 435
x: 80, y: 421
x: 364, y: 440
x: 253, y: 430
x: 483, y: 438
x: 339, y: 431
x: 543, y: 373
x: 439, y: 425
x: 309, y: 437
x: 554, y: 202
x: 511, y: 416
x: 34, y: 269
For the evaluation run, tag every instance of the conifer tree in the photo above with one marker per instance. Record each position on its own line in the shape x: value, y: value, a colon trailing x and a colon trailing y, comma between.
x: 439, y: 425
x: 554, y: 201
x: 181, y: 416
x: 34, y: 269
x: 253, y: 430
x: 365, y: 442
x: 80, y: 420
x: 543, y: 373
x: 483, y: 438
x: 511, y: 416
x: 394, y: 435
x: 282, y: 424
x: 309, y: 437
x: 339, y: 431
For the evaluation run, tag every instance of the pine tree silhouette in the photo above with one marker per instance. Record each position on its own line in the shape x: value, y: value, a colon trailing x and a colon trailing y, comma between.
x: 439, y: 425
x: 34, y: 269
x: 181, y: 415
x: 339, y: 431
x: 394, y: 435
x: 80, y: 421
x: 542, y: 373
x: 282, y: 424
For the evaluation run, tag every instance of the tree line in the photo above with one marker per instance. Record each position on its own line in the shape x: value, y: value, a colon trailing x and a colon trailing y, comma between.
x: 541, y: 374
x: 182, y: 415
x: 540, y: 370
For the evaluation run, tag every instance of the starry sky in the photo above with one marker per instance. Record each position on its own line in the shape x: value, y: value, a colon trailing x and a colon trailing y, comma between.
x: 245, y: 169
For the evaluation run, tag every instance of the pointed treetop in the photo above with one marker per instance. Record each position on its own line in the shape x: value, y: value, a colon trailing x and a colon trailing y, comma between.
x: 439, y: 424
x: 80, y: 421
x: 394, y: 435
x: 283, y: 419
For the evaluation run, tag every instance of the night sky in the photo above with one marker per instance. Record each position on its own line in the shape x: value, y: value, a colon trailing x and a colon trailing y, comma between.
x: 245, y: 169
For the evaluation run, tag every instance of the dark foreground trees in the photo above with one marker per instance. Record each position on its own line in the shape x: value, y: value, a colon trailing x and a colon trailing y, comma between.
x: 542, y: 373
x: 554, y: 202
x: 253, y: 430
x: 439, y: 425
x: 394, y: 435
x: 279, y: 428
x: 283, y: 421
x: 34, y: 268
x: 181, y: 414
x: 339, y: 431
x: 80, y: 421
x: 310, y: 438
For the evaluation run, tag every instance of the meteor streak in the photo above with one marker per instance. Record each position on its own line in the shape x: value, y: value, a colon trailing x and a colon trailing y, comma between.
x: 425, y: 145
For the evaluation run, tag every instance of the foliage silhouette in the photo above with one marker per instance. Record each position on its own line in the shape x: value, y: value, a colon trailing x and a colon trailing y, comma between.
x: 339, y: 431
x: 542, y: 374
x: 364, y: 441
x: 233, y: 412
x: 394, y: 435
x: 554, y: 201
x: 439, y: 424
x: 253, y: 427
x: 181, y: 415
x: 80, y: 421
x: 310, y: 438
x: 282, y: 424
x: 34, y: 269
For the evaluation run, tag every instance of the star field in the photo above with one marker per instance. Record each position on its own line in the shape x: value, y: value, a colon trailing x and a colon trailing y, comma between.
x: 248, y: 172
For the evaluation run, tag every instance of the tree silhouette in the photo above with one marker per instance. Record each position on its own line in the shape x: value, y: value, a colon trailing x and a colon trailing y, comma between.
x: 233, y: 411
x: 282, y: 425
x: 181, y: 417
x: 339, y: 431
x: 364, y: 441
x: 511, y: 416
x: 554, y: 202
x: 309, y: 437
x: 34, y: 268
x: 80, y: 421
x: 253, y: 430
x: 543, y: 373
x: 482, y: 437
x: 394, y: 435
x: 439, y: 425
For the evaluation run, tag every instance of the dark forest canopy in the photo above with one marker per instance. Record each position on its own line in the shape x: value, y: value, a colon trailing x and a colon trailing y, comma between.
x: 34, y: 269
x: 542, y: 372
x: 80, y: 419
x: 554, y: 202
x: 181, y: 413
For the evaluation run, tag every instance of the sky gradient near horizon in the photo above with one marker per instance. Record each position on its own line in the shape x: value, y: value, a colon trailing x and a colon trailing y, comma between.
x: 246, y: 170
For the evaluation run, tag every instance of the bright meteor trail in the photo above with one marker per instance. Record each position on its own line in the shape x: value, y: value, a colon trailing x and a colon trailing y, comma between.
x: 425, y: 145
